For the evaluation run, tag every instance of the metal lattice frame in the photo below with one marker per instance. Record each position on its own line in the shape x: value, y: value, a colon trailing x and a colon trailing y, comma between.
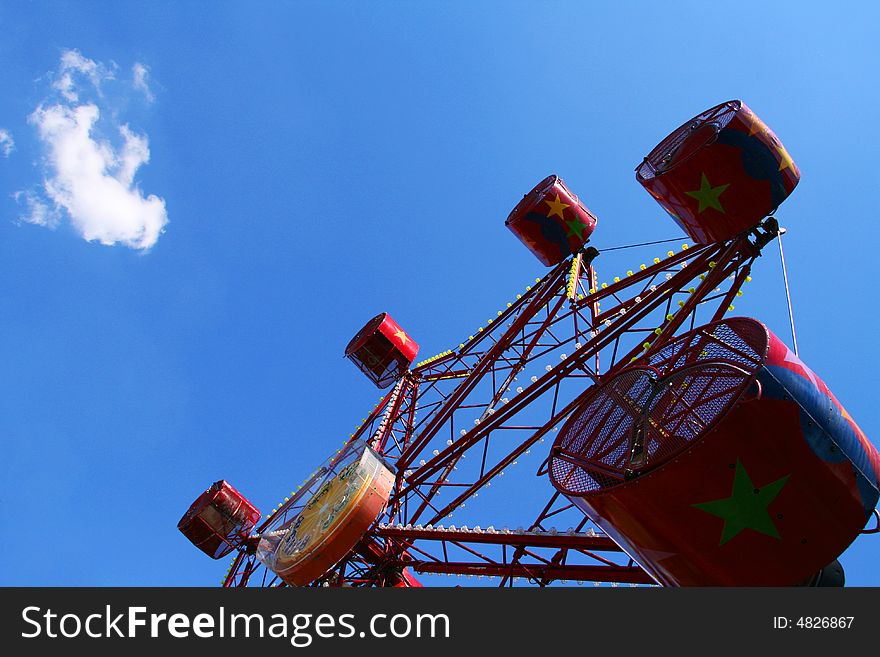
x: 460, y: 404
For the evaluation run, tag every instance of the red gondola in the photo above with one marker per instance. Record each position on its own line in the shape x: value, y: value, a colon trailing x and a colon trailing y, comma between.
x: 551, y: 221
x: 720, y: 173
x: 720, y: 460
x: 220, y: 520
x: 382, y: 350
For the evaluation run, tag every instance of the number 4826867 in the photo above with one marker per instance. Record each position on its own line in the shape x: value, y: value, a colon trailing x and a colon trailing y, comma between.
x: 824, y: 622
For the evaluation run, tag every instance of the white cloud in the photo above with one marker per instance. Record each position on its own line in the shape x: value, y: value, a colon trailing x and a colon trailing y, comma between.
x: 7, y: 144
x: 74, y: 64
x: 86, y: 177
x: 140, y: 76
x: 39, y: 212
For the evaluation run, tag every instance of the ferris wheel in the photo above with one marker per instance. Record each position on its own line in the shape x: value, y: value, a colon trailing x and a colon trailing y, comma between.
x: 677, y: 444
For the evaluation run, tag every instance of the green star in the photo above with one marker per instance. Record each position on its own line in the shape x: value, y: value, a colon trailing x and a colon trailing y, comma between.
x: 708, y: 195
x: 746, y: 508
x: 575, y: 226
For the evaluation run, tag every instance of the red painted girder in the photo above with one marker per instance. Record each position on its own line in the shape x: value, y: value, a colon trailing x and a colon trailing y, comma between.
x: 622, y: 574
x: 542, y: 296
x: 726, y: 263
x: 546, y: 381
x: 544, y: 539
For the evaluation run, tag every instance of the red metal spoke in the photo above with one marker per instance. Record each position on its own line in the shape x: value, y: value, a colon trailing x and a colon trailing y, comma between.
x: 535, y: 572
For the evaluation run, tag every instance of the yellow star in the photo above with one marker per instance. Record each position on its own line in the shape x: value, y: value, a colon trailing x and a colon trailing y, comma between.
x: 401, y: 336
x: 786, y: 158
x: 556, y: 207
x: 530, y: 242
x: 757, y: 125
x: 847, y: 416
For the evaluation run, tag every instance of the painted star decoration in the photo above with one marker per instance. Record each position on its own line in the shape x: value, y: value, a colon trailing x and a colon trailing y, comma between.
x: 708, y: 195
x: 746, y: 508
x: 785, y: 160
x: 798, y: 367
x: 403, y: 337
x: 556, y: 207
x: 756, y: 126
x: 531, y: 243
x: 575, y: 227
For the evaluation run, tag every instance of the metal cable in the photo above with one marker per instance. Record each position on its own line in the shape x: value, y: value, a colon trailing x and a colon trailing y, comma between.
x: 787, y: 291
x: 631, y: 246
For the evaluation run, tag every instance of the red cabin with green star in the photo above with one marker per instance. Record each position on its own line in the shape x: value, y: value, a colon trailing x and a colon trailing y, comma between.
x: 720, y: 460
x: 720, y: 173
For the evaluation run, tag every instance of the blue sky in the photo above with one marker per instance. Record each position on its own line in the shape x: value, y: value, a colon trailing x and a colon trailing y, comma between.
x: 279, y: 174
